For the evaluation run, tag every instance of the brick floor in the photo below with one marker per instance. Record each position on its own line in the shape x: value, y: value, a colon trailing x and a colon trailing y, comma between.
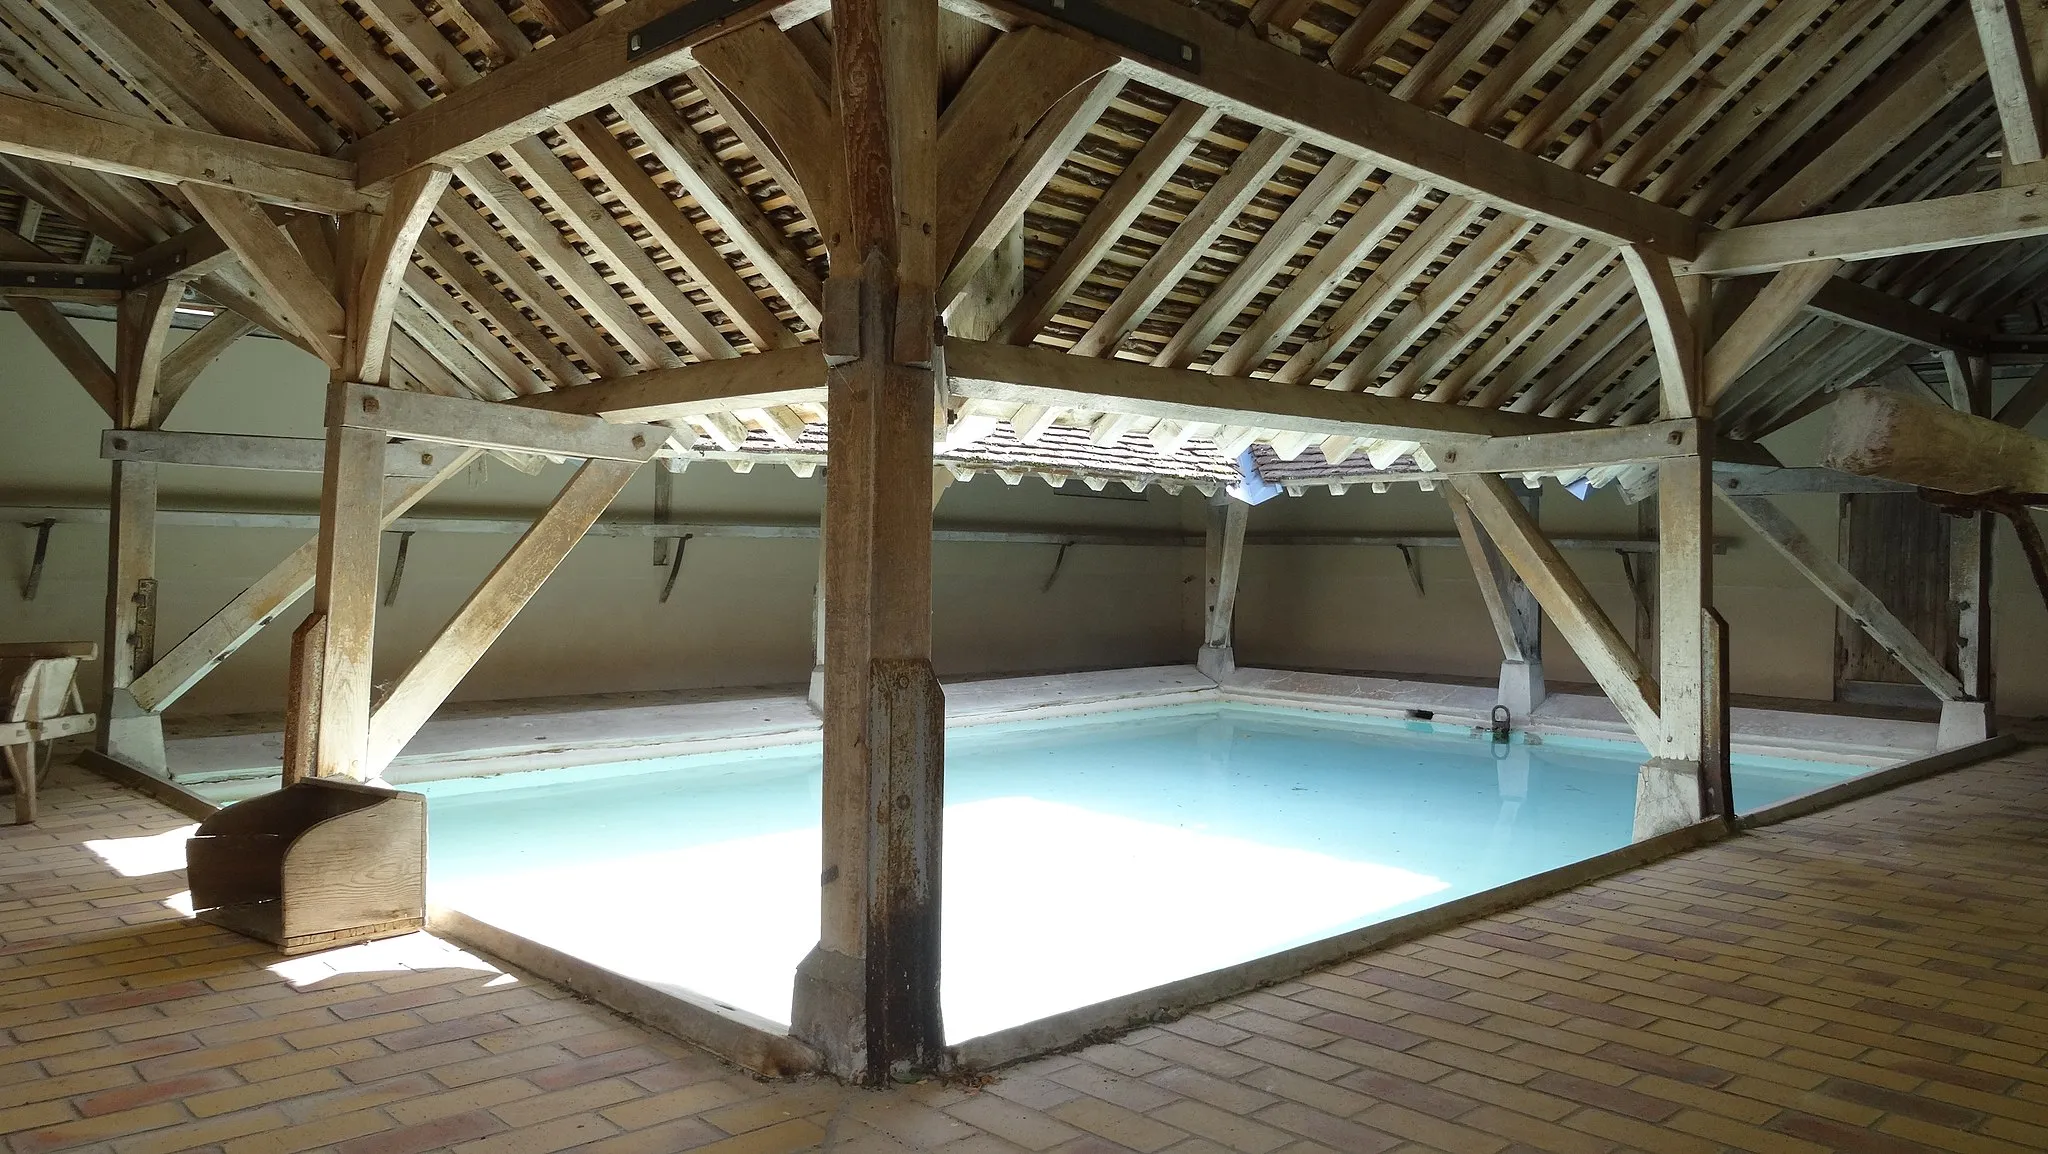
x: 1869, y: 979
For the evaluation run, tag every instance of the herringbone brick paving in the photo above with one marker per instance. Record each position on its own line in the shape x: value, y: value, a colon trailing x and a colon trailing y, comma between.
x: 1869, y: 979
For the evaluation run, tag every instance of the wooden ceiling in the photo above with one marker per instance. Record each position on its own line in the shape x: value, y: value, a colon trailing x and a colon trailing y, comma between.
x: 674, y: 227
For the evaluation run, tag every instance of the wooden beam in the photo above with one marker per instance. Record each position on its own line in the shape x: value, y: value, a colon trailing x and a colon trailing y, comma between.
x: 1671, y: 330
x: 1274, y: 88
x: 278, y: 267
x: 1970, y: 218
x: 219, y: 636
x: 455, y: 650
x: 760, y: 66
x: 1849, y: 595
x: 452, y: 420
x: 373, y: 296
x: 1023, y: 76
x: 1223, y: 560
x: 2027, y: 403
x: 606, y: 60
x: 1567, y: 602
x: 1880, y: 433
x: 992, y: 371
x: 88, y: 136
x: 240, y: 451
x: 1877, y: 311
x: 1581, y: 448
x: 1769, y: 317
x: 1483, y: 573
x: 784, y: 377
x: 71, y: 349
x: 2010, y: 60
x: 193, y: 253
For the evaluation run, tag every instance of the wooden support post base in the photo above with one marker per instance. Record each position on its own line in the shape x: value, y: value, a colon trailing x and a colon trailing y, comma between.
x: 1216, y: 662
x: 132, y: 733
x: 876, y: 1018
x: 1667, y: 797
x: 1521, y: 687
x: 1964, y: 723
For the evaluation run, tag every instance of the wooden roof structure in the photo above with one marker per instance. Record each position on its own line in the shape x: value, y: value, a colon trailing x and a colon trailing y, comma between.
x: 1427, y: 200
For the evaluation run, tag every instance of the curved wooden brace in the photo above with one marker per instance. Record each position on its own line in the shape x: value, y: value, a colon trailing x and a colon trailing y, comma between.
x: 761, y: 68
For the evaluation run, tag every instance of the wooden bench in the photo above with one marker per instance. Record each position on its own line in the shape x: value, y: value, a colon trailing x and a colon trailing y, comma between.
x: 320, y: 863
x: 39, y: 703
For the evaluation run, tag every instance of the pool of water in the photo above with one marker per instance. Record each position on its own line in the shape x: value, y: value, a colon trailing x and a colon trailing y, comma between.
x: 1084, y: 858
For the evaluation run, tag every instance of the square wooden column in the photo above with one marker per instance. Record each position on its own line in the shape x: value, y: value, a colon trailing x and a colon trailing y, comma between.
x: 867, y: 998
x: 1679, y: 786
x: 1969, y: 592
x: 1223, y: 560
x: 127, y: 731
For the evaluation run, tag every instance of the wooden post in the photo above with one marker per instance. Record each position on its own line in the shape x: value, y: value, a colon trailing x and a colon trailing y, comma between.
x: 1223, y: 555
x: 330, y: 723
x: 1671, y: 791
x: 127, y: 731
x: 1510, y: 605
x: 1969, y: 589
x: 867, y: 998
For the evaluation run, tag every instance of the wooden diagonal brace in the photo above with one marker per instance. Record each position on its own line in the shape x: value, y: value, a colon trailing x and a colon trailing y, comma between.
x: 491, y: 608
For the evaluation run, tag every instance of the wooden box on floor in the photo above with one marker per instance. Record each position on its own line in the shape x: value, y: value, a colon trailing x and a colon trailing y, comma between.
x: 319, y: 863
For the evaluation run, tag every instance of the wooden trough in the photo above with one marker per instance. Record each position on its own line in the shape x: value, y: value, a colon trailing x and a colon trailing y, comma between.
x: 320, y: 863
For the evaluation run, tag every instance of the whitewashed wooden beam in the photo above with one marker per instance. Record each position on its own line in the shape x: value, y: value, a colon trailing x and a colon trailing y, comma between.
x: 219, y: 636
x: 1971, y: 218
x: 1277, y: 89
x: 1851, y: 596
x: 88, y: 136
x: 1567, y: 602
x: 783, y: 377
x: 241, y: 451
x: 424, y: 417
x: 2010, y: 60
x: 434, y: 674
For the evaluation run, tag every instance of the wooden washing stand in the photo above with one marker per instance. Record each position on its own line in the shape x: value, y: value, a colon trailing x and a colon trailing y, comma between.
x: 320, y: 863
x: 39, y: 703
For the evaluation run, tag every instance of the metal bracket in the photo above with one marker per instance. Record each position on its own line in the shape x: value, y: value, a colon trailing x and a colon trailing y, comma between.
x: 1414, y: 563
x: 663, y: 31
x: 1117, y: 28
x: 398, y: 568
x: 35, y: 566
x: 675, y: 567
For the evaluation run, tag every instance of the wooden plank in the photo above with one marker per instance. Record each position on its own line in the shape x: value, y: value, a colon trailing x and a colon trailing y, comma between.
x: 784, y: 377
x: 1770, y: 316
x: 277, y: 266
x: 434, y: 674
x: 1971, y: 218
x: 2010, y: 60
x: 1119, y: 205
x: 992, y: 371
x: 1277, y: 89
x: 219, y: 636
x: 1838, y: 585
x: 62, y: 132
x: 452, y: 420
x: 1879, y: 433
x: 1567, y: 602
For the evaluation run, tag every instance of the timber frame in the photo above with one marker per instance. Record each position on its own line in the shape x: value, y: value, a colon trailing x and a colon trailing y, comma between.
x: 1289, y: 242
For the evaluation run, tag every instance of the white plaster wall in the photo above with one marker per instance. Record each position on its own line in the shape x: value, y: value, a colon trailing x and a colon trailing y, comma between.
x: 740, y: 614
